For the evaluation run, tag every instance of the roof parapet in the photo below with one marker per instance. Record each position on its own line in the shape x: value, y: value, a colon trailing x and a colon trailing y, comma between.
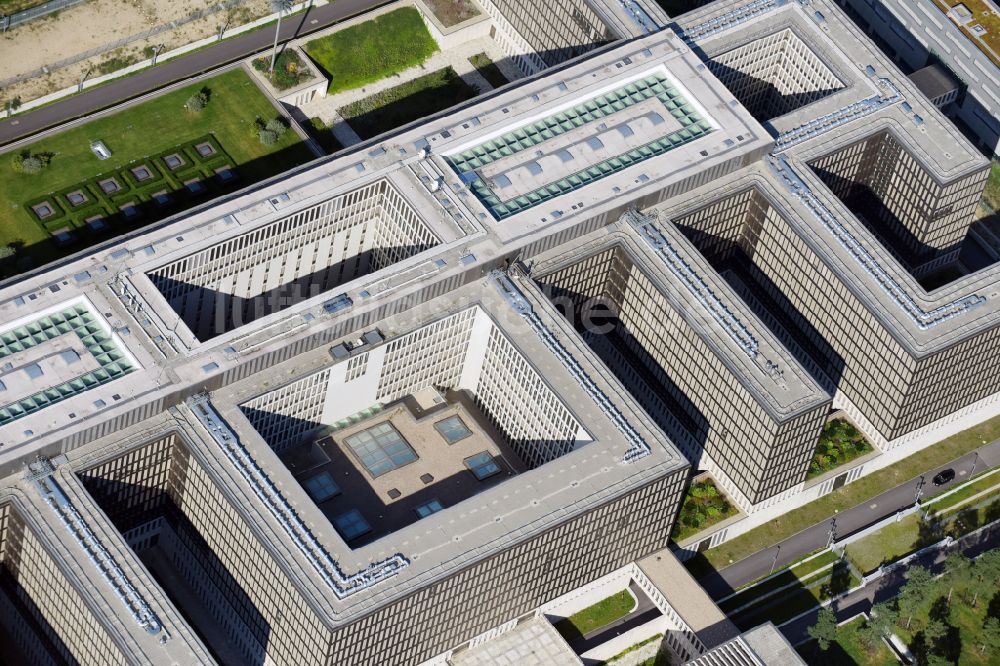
x: 517, y: 301
x: 343, y: 585
x: 923, y: 319
x: 40, y: 474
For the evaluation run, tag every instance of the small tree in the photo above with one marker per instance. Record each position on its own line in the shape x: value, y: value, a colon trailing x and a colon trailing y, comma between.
x: 825, y: 629
x: 277, y: 125
x: 26, y: 162
x: 196, y: 102
x: 915, y: 592
x: 989, y: 639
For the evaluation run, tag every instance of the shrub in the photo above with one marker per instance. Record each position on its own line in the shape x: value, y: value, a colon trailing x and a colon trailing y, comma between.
x: 277, y: 125
x: 26, y: 162
x: 197, y: 102
x: 268, y: 137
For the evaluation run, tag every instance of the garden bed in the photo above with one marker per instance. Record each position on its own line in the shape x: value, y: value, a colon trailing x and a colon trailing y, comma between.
x: 704, y: 506
x: 839, y: 443
x: 452, y: 12
x: 601, y: 614
x: 410, y: 101
x: 289, y: 70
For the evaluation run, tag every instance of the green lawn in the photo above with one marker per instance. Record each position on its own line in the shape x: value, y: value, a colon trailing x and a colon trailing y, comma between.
x: 888, y: 544
x: 798, y: 599
x: 370, y: 51
x: 485, y: 66
x: 847, y: 649
x: 991, y: 194
x: 601, y: 614
x: 844, y: 498
x: 805, y: 573
x: 406, y: 102
x: 142, y: 131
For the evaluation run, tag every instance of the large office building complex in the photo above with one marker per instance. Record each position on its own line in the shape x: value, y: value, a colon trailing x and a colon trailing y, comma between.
x: 387, y: 406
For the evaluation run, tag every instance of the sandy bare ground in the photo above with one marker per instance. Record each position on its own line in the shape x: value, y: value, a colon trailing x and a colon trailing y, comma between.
x: 97, y: 23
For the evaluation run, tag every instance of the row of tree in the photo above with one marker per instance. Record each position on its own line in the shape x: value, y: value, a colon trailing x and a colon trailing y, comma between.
x: 930, y: 598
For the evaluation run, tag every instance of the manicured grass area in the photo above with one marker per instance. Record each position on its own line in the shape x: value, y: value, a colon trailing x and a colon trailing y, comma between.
x: 370, y: 51
x: 406, y: 102
x: 888, y: 544
x: 847, y: 649
x: 794, y: 601
x: 485, y: 66
x: 839, y: 443
x: 143, y: 131
x: 599, y: 615
x: 846, y: 497
x: 804, y: 573
x: 980, y: 485
x: 991, y: 193
x: 452, y: 12
x: 704, y: 505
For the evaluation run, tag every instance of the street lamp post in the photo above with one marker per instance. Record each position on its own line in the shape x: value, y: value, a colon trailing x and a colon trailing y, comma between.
x: 975, y: 461
x: 774, y: 562
x: 279, y: 6
x: 920, y: 491
x: 832, y: 535
x: 156, y: 52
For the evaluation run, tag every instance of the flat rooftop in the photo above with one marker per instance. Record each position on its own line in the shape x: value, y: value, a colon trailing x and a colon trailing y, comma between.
x: 533, y: 642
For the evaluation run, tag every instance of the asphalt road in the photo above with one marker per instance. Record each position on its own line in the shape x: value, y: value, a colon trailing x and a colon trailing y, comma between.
x: 170, y: 71
x: 889, y: 585
x: 813, y: 538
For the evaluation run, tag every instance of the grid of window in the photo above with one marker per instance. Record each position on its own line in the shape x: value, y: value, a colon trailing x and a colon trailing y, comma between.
x: 381, y: 448
x: 56, y: 613
x: 517, y: 400
x: 898, y: 200
x: 775, y: 75
x: 556, y: 31
x: 297, y: 257
x: 430, y: 356
x: 286, y: 414
x: 453, y: 429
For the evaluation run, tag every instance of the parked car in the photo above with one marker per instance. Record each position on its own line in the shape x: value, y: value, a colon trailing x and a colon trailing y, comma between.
x: 944, y: 477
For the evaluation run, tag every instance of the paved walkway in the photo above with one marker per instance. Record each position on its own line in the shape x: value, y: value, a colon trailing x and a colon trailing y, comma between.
x: 723, y: 582
x: 889, y: 585
x: 198, y: 62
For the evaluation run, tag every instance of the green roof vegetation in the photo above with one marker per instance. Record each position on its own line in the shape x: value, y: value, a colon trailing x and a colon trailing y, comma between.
x: 488, y: 69
x: 370, y: 51
x: 601, y: 614
x: 704, y: 506
x: 452, y: 12
x: 407, y: 102
x: 839, y: 443
x: 146, y: 130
